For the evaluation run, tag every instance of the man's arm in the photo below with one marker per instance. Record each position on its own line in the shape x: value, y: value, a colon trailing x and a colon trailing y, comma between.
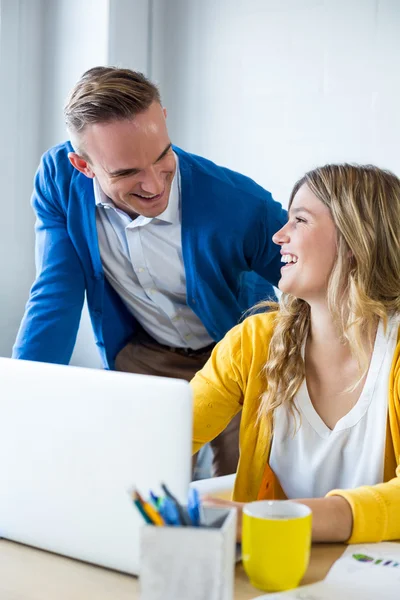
x: 262, y: 254
x: 50, y: 324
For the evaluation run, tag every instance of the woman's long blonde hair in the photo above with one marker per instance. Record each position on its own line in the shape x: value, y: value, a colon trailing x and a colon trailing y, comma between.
x: 364, y: 285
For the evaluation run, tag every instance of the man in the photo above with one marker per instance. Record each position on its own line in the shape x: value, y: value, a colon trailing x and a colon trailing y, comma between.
x: 169, y: 248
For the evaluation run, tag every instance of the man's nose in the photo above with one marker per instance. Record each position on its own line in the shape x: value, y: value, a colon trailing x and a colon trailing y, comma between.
x: 152, y: 182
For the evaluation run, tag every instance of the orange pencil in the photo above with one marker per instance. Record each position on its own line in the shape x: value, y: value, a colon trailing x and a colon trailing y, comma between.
x: 150, y: 511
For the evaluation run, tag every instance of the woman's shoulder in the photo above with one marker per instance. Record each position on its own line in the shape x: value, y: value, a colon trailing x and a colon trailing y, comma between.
x: 259, y: 325
x: 252, y: 335
x: 261, y: 322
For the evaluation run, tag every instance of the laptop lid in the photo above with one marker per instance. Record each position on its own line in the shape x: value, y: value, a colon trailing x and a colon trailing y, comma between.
x: 74, y: 442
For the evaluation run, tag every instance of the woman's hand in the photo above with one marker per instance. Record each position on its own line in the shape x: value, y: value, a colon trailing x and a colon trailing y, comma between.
x: 221, y: 503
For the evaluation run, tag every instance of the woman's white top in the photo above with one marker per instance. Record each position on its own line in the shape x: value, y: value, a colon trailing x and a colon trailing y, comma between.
x: 317, y: 459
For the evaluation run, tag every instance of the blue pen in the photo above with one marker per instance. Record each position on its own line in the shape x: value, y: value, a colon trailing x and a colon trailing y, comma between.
x: 194, y: 506
x: 155, y: 500
x: 169, y: 512
x: 183, y: 517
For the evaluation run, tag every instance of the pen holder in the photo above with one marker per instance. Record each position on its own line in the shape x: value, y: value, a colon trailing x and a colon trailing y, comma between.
x: 190, y: 563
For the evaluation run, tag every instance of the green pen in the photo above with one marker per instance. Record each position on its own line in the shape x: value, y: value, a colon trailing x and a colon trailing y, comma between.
x: 140, y: 508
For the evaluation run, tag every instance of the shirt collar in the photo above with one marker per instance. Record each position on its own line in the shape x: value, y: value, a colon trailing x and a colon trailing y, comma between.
x: 169, y: 215
x: 100, y: 198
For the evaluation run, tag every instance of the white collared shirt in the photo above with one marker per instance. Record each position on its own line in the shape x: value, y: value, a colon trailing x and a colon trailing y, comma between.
x: 142, y: 260
x: 317, y: 459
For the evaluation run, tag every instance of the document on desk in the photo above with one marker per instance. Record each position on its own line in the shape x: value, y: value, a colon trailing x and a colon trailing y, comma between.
x: 367, y: 571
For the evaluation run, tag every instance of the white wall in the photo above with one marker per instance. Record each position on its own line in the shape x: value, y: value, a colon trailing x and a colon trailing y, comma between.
x: 129, y: 34
x: 273, y: 88
x: 75, y: 38
x: 268, y: 87
x: 80, y: 34
x: 45, y: 45
x: 20, y: 77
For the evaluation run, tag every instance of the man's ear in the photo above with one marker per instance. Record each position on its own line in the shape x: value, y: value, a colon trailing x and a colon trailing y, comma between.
x: 80, y: 164
x: 165, y: 112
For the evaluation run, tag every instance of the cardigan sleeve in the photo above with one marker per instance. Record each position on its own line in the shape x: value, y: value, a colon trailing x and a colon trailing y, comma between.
x: 50, y: 324
x: 376, y: 511
x: 218, y: 389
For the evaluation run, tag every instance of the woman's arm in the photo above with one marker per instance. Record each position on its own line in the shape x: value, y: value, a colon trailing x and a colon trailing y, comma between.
x: 375, y: 510
x: 332, y: 519
x: 218, y: 390
x: 364, y: 514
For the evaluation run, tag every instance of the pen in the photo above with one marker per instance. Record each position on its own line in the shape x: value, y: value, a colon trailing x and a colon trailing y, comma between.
x: 194, y: 506
x: 155, y: 500
x: 151, y: 512
x: 169, y: 512
x: 142, y: 511
x: 182, y: 515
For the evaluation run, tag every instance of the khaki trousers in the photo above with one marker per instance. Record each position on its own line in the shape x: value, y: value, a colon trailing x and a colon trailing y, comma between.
x: 145, y: 356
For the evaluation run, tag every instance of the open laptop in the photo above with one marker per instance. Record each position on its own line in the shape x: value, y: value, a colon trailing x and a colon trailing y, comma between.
x: 74, y: 442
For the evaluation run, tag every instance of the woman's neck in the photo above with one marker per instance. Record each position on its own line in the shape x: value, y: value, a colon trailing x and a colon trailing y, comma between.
x: 324, y: 334
x: 325, y: 338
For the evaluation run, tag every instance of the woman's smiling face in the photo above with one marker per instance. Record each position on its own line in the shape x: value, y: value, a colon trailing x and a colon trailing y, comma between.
x: 308, y: 247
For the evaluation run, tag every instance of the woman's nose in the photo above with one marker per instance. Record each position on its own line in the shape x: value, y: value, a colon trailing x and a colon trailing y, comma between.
x: 281, y: 236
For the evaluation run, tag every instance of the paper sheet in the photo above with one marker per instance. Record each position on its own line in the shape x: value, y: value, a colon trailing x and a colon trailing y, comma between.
x: 216, y: 486
x: 363, y: 572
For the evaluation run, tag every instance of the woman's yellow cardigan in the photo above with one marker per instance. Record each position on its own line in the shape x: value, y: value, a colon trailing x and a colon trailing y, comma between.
x: 231, y: 381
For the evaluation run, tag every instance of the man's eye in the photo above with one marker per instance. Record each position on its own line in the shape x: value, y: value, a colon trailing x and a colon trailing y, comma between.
x: 300, y: 220
x: 126, y: 174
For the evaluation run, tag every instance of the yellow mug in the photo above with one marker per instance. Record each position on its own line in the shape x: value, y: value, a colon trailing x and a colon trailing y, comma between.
x: 276, y: 543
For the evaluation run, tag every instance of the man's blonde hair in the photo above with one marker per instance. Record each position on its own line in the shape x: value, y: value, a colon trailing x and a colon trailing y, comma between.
x: 364, y: 285
x: 106, y: 94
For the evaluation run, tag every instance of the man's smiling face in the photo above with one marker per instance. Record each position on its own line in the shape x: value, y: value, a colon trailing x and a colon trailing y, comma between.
x: 132, y: 161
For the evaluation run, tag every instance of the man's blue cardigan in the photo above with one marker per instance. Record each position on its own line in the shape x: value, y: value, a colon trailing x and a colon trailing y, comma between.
x: 227, y: 224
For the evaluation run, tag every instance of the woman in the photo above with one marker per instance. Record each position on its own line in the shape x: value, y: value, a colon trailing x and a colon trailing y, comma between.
x: 318, y: 379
